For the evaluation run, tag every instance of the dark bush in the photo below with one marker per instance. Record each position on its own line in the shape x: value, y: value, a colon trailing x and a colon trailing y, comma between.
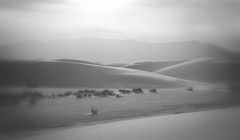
x: 190, y: 89
x: 153, y: 90
x: 124, y: 91
x: 118, y: 96
x: 107, y: 92
x: 68, y: 93
x: 60, y: 95
x: 104, y: 93
x: 78, y: 96
x: 94, y: 111
x: 137, y: 90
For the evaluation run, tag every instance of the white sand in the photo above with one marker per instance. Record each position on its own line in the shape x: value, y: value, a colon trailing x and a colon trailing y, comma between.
x: 221, y: 124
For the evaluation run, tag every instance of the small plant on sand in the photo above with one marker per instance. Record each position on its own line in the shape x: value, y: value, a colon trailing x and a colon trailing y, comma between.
x: 94, y: 111
x: 118, y: 96
x: 78, y: 96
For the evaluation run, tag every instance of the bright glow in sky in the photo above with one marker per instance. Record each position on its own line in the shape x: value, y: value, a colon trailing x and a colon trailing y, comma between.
x: 145, y: 20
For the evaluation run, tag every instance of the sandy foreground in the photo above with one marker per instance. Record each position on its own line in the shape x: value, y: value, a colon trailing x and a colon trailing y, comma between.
x: 219, y: 124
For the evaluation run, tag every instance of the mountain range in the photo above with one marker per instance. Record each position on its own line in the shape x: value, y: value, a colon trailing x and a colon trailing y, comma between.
x: 112, y: 50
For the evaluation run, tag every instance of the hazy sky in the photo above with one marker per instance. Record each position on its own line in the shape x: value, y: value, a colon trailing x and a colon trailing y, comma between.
x: 215, y: 21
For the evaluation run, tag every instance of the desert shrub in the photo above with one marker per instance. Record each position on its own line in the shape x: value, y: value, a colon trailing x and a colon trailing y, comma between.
x: 124, y: 91
x: 88, y: 91
x: 104, y: 93
x: 107, y: 92
x: 53, y: 96
x: 118, y: 96
x: 89, y: 95
x: 78, y: 96
x: 137, y: 90
x: 68, y: 93
x: 190, y: 89
x: 60, y: 95
x: 153, y: 90
x: 94, y: 111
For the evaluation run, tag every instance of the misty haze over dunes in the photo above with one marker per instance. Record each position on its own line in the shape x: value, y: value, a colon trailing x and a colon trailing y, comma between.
x: 96, y: 64
x: 112, y: 50
x: 81, y: 65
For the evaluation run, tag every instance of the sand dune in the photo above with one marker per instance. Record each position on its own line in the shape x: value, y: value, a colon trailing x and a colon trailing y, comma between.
x: 154, y: 66
x: 78, y: 61
x: 211, y: 70
x: 117, y: 65
x: 68, y: 74
x: 221, y: 124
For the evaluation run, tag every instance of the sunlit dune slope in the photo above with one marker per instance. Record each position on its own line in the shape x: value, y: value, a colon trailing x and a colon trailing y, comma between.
x: 154, y: 66
x: 68, y: 74
x: 211, y: 70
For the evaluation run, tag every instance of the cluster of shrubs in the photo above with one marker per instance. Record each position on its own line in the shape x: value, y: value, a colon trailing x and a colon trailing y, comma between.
x: 66, y: 94
x: 16, y: 98
x: 125, y: 91
x: 33, y: 96
x: 88, y: 93
x: 105, y: 93
x: 136, y: 90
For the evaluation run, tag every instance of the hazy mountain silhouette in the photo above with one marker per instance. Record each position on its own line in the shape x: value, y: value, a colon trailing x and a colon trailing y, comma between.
x: 112, y: 50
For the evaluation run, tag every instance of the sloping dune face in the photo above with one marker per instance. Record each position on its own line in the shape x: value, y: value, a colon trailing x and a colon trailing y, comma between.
x: 213, y: 70
x: 154, y: 66
x: 66, y: 74
x: 77, y: 61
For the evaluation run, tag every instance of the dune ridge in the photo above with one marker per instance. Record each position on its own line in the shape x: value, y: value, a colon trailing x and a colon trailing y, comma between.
x: 56, y: 73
